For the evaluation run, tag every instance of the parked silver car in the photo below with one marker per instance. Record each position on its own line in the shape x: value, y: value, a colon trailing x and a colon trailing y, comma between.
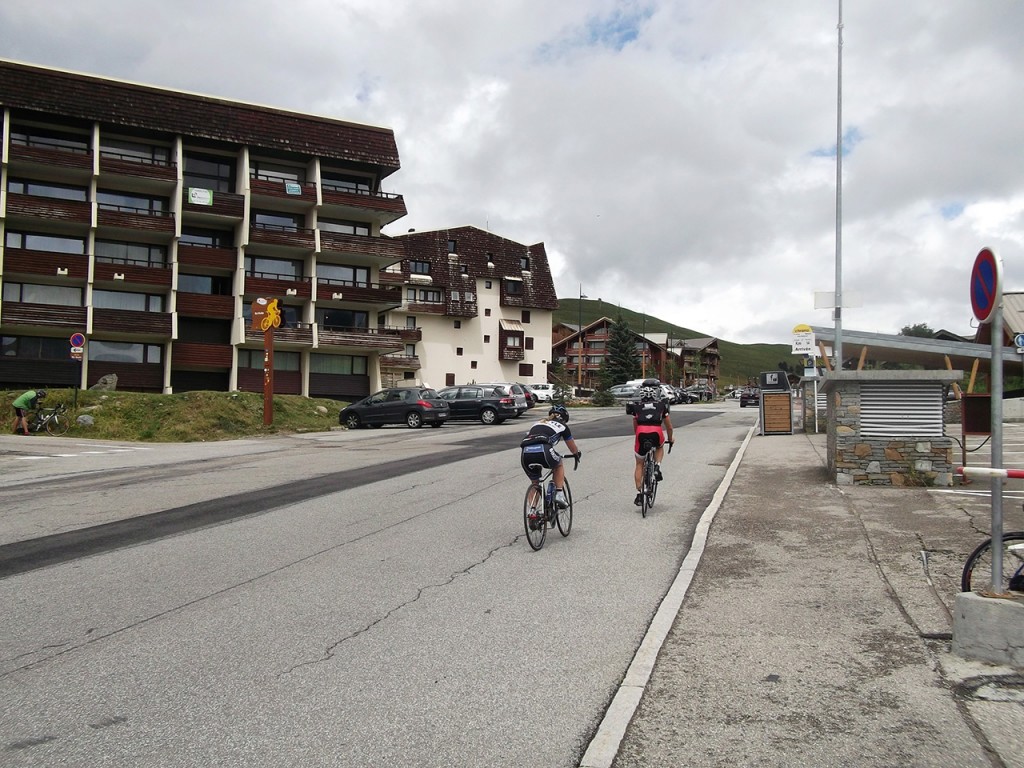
x: 513, y: 389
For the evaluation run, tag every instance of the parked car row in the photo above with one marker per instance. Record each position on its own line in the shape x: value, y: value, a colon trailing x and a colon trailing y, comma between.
x: 489, y: 403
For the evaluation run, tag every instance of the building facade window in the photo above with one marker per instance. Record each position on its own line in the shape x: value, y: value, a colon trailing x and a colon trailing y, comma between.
x: 529, y: 342
x: 458, y: 323
x: 206, y: 284
x: 207, y: 238
x: 419, y: 267
x: 340, y: 181
x: 452, y: 246
x: 33, y: 241
x: 125, y: 352
x: 44, y: 189
x: 458, y: 351
x: 280, y: 269
x: 343, y: 274
x: 28, y: 293
x: 138, y: 302
x: 526, y: 315
x: 253, y: 358
x: 209, y: 172
x: 116, y: 252
x: 135, y: 151
x: 487, y: 338
x: 287, y: 222
x: 112, y: 200
x: 344, y: 227
x: 47, y: 138
x: 524, y: 263
x: 344, y: 365
x: 487, y: 283
x: 342, y: 318
x: 267, y: 170
x: 514, y: 287
x: 34, y: 348
x: 487, y: 312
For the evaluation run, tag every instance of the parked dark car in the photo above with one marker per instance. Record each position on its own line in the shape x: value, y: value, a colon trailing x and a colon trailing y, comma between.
x: 413, y: 406
x: 474, y: 401
x: 515, y: 390
x: 750, y: 397
x: 531, y: 396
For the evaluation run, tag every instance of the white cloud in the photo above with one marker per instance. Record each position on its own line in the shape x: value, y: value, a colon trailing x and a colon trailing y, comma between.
x: 672, y: 155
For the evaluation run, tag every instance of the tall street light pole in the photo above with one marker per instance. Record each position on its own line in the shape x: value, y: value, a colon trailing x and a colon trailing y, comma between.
x: 579, y: 325
x: 838, y: 344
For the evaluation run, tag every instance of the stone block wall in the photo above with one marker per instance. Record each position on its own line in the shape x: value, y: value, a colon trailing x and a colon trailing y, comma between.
x: 854, y: 459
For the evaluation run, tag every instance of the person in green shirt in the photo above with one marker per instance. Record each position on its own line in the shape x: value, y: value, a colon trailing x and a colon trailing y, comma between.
x: 25, y: 401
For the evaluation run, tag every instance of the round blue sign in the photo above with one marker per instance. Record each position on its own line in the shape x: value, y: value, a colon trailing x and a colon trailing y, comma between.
x: 77, y: 340
x: 986, y: 285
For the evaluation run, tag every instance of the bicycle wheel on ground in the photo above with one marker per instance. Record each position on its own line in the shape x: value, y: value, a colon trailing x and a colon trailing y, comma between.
x: 978, y: 569
x: 653, y: 482
x: 533, y: 517
x: 564, y: 516
x: 645, y: 485
x: 58, y: 424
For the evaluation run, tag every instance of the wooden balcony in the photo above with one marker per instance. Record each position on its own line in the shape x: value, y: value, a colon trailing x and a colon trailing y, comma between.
x: 374, y: 250
x: 293, y: 239
x: 411, y: 334
x: 218, y: 259
x: 205, y: 305
x: 426, y: 307
x: 400, y: 362
x: 384, y: 207
x: 124, y: 218
x: 189, y: 354
x: 292, y: 193
x: 146, y: 173
x: 212, y: 205
x: 298, y: 336
x: 35, y: 208
x: 129, y: 322
x: 76, y: 161
x: 43, y: 316
x: 20, y: 261
x: 373, y: 293
x: 270, y: 286
x: 382, y: 340
x: 461, y: 308
x: 132, y: 273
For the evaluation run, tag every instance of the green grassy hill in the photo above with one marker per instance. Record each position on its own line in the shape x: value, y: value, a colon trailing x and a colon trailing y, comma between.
x: 740, y: 362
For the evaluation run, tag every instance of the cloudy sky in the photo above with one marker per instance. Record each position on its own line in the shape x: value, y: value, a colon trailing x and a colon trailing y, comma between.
x: 675, y: 156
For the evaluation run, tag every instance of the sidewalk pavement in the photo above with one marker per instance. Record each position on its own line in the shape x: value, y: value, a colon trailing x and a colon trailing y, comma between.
x: 812, y: 635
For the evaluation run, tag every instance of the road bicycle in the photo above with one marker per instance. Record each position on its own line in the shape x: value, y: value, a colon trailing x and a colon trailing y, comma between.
x: 649, y: 480
x: 980, y: 561
x: 540, y: 511
x: 54, y: 420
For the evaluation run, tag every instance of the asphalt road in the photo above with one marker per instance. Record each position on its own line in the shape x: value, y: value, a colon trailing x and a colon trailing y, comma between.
x: 345, y: 598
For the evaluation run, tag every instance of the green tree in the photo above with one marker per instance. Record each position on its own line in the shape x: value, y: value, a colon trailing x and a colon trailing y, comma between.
x: 918, y: 329
x: 559, y: 377
x: 622, y: 362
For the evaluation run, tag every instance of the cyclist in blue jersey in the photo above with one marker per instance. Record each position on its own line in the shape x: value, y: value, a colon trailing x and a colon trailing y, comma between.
x: 538, y: 448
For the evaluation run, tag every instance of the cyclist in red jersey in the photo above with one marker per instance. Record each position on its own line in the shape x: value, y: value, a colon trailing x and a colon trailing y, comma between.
x: 648, y: 417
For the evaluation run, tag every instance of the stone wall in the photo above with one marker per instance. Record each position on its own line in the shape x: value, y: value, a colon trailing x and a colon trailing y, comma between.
x: 854, y: 459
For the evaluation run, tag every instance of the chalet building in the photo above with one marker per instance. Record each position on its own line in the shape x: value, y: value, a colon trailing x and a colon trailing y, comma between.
x: 481, y: 306
x: 680, y: 362
x: 149, y: 221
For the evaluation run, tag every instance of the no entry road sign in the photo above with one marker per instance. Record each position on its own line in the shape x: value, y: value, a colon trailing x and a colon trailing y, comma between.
x: 986, y: 285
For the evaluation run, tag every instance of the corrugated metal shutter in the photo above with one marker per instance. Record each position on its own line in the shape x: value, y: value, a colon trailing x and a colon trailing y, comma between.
x: 894, y: 409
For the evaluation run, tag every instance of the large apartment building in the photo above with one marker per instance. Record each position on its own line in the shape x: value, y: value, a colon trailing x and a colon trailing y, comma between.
x: 482, y: 303
x: 149, y: 220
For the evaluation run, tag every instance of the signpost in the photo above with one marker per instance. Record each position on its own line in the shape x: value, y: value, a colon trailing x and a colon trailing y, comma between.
x: 266, y: 316
x: 986, y: 301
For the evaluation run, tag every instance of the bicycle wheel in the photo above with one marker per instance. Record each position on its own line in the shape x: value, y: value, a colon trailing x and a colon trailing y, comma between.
x: 978, y: 569
x: 564, y: 516
x: 58, y: 424
x: 653, y: 483
x: 645, y: 487
x: 533, y: 517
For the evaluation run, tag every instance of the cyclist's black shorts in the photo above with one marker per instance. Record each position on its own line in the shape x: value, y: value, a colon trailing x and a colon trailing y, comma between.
x: 546, y: 458
x: 647, y: 440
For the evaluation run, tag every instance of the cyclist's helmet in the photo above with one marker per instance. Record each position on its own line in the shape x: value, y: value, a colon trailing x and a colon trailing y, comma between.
x: 559, y: 412
x: 40, y: 393
x: 650, y: 390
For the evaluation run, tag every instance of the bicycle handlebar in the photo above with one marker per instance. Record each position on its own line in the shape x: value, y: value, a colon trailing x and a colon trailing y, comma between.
x: 576, y: 456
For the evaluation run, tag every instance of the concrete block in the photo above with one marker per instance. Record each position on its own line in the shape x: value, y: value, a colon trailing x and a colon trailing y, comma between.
x: 989, y: 629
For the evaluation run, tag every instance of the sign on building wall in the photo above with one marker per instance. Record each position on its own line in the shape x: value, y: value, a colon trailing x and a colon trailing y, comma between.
x: 199, y: 196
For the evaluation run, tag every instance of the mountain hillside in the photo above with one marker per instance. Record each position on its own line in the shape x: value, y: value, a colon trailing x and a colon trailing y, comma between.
x: 740, y: 362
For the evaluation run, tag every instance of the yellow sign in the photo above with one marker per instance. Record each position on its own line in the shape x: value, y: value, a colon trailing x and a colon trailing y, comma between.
x: 266, y: 314
x: 802, y: 328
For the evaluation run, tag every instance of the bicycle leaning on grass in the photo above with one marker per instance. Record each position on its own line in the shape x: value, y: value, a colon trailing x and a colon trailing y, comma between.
x: 54, y: 420
x: 649, y: 480
x: 980, y: 561
x: 540, y: 510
